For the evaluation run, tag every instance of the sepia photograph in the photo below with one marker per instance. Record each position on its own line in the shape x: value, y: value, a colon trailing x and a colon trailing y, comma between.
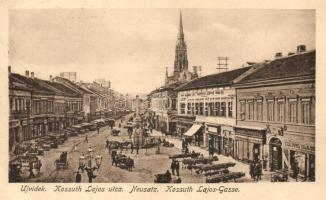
x: 161, y: 95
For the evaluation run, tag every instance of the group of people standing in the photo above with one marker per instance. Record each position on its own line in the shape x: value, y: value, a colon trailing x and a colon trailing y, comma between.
x: 255, y: 170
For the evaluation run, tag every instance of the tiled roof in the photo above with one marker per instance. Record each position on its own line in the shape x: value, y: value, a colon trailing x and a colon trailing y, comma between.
x: 33, y: 84
x: 297, y: 65
x: 17, y: 84
x: 214, y: 80
x: 74, y: 85
x: 59, y: 88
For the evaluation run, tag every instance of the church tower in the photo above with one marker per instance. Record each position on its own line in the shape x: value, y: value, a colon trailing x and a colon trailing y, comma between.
x: 181, y: 60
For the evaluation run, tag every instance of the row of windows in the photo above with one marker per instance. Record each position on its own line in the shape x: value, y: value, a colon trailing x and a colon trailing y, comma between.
x: 278, y: 111
x: 221, y: 109
x: 19, y: 104
x: 75, y: 106
x: 42, y: 106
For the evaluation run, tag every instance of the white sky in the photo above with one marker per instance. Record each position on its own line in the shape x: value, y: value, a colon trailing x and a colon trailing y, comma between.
x: 132, y: 47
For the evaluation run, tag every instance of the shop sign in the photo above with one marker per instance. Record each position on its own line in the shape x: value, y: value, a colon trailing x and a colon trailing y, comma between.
x: 250, y: 133
x: 304, y: 147
x: 250, y: 139
x: 212, y: 129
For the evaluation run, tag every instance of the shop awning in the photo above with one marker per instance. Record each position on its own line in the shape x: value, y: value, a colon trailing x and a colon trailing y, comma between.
x: 193, y: 130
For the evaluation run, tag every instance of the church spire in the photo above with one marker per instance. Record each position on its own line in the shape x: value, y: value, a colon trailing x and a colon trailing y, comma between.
x: 180, y: 35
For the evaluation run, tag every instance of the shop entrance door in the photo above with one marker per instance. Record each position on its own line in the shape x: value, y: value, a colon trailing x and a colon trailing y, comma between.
x: 276, y: 154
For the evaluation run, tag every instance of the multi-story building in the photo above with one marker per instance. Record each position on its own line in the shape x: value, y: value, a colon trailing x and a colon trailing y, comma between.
x: 67, y: 106
x: 89, y: 100
x: 20, y: 97
x: 206, y: 110
x: 276, y: 114
x: 164, y: 108
x: 35, y: 108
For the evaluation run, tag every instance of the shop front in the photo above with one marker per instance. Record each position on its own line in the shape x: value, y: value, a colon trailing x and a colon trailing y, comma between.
x: 14, y: 136
x: 249, y: 143
x: 195, y: 135
x: 214, y: 138
x: 302, y: 156
x: 183, y: 123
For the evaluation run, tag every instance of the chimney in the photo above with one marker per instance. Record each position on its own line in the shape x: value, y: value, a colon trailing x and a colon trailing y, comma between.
x: 301, y: 48
x: 51, y: 78
x: 278, y: 55
x: 9, y: 69
x: 27, y: 73
x: 32, y: 74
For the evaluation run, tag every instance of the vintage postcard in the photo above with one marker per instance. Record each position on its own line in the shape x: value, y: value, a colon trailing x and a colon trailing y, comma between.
x: 147, y: 101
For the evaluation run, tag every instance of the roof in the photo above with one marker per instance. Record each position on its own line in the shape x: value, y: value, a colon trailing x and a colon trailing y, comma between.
x: 166, y: 87
x: 16, y: 84
x: 60, y: 89
x: 296, y: 65
x: 74, y: 85
x: 214, y: 80
x: 33, y: 84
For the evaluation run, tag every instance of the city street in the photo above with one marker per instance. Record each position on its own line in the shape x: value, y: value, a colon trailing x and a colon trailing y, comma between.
x: 147, y: 164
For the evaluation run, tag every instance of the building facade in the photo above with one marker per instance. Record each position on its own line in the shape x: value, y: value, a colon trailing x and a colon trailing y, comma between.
x: 276, y: 114
x: 208, y: 103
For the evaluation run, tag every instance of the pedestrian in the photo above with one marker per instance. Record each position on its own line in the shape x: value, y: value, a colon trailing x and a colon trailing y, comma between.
x: 119, y: 125
x: 86, y: 139
x: 137, y: 148
x: 251, y: 169
x: 132, y: 148
x: 98, y: 130
x: 183, y: 145
x: 90, y: 175
x: 78, y: 177
x: 113, y: 156
x: 295, y: 171
x: 186, y: 150
x: 38, y: 167
x: 256, y: 172
x: 173, y: 166
x: 260, y: 169
x: 177, y: 167
x: 31, y: 174
x: 107, y: 143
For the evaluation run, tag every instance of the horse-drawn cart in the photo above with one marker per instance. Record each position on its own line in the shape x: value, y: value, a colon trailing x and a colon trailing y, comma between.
x: 185, y: 155
x: 62, y: 162
x: 225, y: 177
x: 164, y: 178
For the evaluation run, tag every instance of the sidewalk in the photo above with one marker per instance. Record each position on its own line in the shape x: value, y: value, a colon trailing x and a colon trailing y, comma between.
x: 239, y: 167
